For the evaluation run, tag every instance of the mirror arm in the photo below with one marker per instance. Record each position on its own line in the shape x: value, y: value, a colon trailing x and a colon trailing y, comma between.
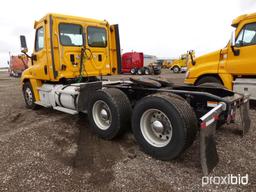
x: 30, y: 57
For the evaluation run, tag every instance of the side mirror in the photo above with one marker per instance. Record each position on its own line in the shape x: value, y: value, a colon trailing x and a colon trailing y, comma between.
x: 23, y: 43
x: 192, y: 57
x: 233, y: 39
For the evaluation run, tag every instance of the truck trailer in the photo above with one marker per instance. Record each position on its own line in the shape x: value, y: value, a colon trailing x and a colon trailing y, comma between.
x: 70, y: 57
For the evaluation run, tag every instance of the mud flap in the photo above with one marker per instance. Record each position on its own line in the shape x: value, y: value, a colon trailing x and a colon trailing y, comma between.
x: 208, y: 152
x: 244, y: 115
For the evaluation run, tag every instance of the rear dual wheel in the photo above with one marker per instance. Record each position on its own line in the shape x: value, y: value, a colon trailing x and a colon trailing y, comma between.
x: 141, y: 71
x: 109, y: 113
x: 133, y: 71
x: 164, y: 125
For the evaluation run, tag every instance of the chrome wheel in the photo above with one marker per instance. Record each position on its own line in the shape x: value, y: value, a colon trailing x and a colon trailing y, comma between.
x: 156, y: 127
x: 102, y: 115
x: 176, y: 69
x: 29, y: 96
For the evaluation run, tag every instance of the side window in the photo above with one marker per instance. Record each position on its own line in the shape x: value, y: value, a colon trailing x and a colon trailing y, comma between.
x: 39, y: 44
x: 247, y: 35
x: 97, y: 37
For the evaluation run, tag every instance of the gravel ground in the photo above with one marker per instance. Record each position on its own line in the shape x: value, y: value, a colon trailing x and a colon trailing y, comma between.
x: 46, y: 150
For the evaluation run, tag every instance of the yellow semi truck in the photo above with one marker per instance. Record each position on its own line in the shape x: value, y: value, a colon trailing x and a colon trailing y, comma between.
x: 180, y: 65
x: 234, y: 66
x: 70, y: 58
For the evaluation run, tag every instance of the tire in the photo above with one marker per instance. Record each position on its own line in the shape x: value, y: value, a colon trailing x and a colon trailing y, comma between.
x: 109, y: 113
x: 171, y: 109
x: 157, y: 71
x: 208, y: 79
x: 29, y: 96
x: 176, y: 69
x: 133, y: 71
x: 190, y: 117
x: 141, y: 71
x: 212, y: 85
x: 147, y: 71
x: 151, y: 70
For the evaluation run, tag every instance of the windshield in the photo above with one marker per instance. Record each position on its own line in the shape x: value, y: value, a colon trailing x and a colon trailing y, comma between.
x: 71, y: 34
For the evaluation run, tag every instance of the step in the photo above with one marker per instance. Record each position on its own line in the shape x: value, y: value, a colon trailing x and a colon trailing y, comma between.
x: 65, y: 110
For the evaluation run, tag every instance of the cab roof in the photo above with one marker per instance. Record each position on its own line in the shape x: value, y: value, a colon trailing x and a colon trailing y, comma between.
x: 69, y: 17
x: 240, y: 18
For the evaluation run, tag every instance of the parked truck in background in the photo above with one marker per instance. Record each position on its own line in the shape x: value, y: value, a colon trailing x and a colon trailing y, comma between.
x: 17, y: 65
x: 234, y: 66
x: 180, y: 65
x: 140, y: 63
x: 131, y: 61
x: 70, y: 57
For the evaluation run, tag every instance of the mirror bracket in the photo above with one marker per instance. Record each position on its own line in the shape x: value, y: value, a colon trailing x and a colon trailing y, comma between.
x: 236, y: 52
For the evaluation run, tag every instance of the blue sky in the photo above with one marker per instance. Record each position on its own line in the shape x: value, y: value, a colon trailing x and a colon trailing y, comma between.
x: 162, y: 28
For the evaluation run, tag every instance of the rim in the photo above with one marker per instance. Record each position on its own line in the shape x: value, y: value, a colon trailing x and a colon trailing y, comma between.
x: 176, y: 69
x: 147, y: 72
x: 156, y: 128
x: 133, y: 71
x: 102, y: 115
x: 29, y: 96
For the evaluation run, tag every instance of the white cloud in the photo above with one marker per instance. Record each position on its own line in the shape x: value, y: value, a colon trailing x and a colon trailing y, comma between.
x: 163, y: 28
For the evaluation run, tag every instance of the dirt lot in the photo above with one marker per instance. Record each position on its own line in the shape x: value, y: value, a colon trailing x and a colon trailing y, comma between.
x: 46, y: 150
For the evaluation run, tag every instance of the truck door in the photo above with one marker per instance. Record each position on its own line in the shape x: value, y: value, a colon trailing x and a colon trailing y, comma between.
x: 40, y: 63
x: 70, y: 44
x: 245, y: 62
x: 98, y: 61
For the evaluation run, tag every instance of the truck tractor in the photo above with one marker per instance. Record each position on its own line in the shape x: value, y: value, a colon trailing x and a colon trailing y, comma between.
x: 234, y: 66
x: 180, y: 65
x: 137, y: 63
x: 72, y: 56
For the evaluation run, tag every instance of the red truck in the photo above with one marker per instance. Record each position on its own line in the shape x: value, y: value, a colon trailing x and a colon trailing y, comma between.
x: 17, y: 65
x: 138, y: 63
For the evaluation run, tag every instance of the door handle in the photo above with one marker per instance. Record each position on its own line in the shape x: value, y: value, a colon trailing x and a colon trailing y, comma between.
x: 100, y: 57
